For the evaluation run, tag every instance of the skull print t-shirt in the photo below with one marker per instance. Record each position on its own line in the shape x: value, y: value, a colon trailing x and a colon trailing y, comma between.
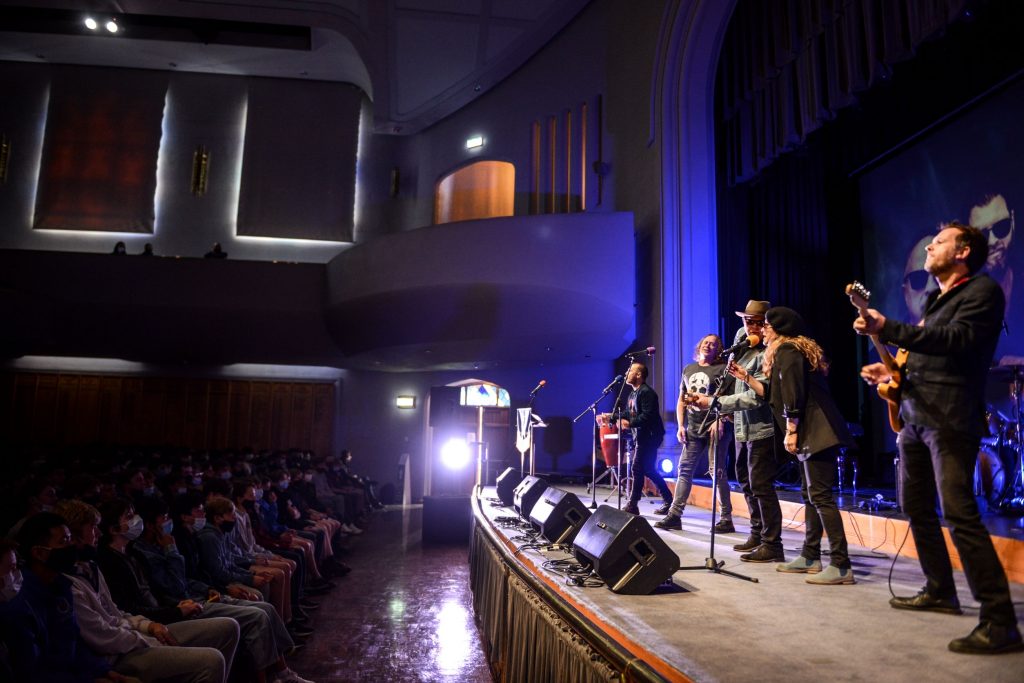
x: 700, y: 379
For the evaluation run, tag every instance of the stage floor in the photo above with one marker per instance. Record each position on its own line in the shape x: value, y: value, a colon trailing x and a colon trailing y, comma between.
x: 711, y: 627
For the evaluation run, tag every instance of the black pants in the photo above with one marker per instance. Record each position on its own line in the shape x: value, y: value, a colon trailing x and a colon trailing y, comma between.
x: 755, y: 471
x: 645, y: 463
x: 817, y: 477
x: 941, y: 461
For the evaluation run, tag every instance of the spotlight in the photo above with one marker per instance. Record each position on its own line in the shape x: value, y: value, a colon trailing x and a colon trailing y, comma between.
x: 91, y: 24
x: 112, y: 26
x: 455, y: 454
x: 667, y: 466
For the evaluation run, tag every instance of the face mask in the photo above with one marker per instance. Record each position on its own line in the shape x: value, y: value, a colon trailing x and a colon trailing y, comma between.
x: 283, y: 485
x: 227, y: 526
x: 11, y: 584
x: 197, y: 481
x: 134, y: 528
x: 46, y: 508
x: 309, y: 476
x: 199, y: 523
x: 225, y: 475
x: 62, y: 560
x: 181, y: 490
x: 259, y: 494
x: 168, y: 526
x: 149, y: 491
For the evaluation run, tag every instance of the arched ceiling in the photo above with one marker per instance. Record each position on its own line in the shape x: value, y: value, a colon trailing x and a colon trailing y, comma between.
x: 418, y: 60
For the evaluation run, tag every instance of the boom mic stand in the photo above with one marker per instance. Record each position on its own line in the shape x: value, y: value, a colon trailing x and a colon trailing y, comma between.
x: 710, y: 563
x: 592, y: 409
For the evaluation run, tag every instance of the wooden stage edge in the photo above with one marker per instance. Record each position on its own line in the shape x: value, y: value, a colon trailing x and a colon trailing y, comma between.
x: 888, y: 534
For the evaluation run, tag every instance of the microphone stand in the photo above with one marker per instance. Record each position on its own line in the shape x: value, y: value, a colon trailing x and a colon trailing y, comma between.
x: 710, y: 563
x: 617, y: 417
x: 592, y: 409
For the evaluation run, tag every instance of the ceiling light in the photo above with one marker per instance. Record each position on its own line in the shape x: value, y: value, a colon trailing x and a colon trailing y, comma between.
x: 91, y: 24
x: 112, y: 26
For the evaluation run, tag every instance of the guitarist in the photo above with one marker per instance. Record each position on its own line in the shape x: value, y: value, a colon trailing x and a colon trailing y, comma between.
x: 943, y: 411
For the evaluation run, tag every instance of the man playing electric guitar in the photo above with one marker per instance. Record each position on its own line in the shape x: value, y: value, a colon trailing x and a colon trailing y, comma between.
x: 943, y: 410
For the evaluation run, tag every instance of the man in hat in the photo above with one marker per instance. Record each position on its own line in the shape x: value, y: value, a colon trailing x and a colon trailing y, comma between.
x: 943, y: 409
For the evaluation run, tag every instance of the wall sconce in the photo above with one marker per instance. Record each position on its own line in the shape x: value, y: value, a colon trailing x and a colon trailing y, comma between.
x: 475, y: 142
x: 405, y: 402
x: 5, y: 158
x: 200, y: 171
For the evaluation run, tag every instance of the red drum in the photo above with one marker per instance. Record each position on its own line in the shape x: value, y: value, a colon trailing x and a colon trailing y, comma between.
x: 610, y: 444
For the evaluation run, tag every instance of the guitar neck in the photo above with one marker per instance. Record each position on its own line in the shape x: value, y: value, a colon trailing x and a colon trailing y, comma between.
x: 883, y: 352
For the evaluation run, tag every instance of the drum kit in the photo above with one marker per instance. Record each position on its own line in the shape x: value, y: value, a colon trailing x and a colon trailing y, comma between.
x: 999, y: 471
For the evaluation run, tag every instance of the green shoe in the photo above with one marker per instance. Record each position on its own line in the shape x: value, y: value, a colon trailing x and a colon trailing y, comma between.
x: 833, y: 576
x: 801, y: 565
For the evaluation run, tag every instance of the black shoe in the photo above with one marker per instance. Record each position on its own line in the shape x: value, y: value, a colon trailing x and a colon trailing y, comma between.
x: 631, y: 508
x: 724, y: 527
x: 662, y: 509
x: 670, y: 522
x: 763, y: 553
x: 311, y: 589
x: 750, y: 544
x: 294, y: 649
x: 923, y: 602
x: 322, y: 583
x: 989, y: 639
x: 308, y: 604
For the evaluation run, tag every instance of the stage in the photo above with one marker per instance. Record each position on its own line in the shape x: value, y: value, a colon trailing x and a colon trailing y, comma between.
x: 711, y: 627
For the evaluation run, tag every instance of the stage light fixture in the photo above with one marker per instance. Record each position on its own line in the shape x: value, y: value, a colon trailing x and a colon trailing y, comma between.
x: 112, y: 26
x: 91, y: 24
x: 405, y: 401
x: 455, y: 454
x: 667, y: 466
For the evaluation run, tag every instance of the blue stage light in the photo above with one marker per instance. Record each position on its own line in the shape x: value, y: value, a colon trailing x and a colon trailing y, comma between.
x: 667, y: 466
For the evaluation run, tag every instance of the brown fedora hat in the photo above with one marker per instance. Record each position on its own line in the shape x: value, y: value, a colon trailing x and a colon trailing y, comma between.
x: 754, y: 309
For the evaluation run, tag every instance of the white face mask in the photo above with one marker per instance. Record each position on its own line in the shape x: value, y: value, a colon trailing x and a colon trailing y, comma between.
x: 10, y: 585
x: 134, y: 528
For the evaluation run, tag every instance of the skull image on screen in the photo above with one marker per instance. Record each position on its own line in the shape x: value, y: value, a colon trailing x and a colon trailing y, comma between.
x: 917, y: 283
x: 996, y: 220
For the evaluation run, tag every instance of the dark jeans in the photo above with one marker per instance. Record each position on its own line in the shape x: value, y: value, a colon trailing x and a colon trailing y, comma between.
x: 755, y: 471
x: 645, y: 463
x: 941, y: 461
x: 817, y: 477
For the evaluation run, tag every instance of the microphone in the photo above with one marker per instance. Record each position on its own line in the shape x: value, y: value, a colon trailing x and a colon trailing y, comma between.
x: 648, y: 351
x: 618, y: 378
x: 745, y: 343
x: 538, y: 387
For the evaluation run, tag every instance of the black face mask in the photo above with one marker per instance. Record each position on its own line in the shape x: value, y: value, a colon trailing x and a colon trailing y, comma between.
x: 227, y: 526
x: 62, y: 560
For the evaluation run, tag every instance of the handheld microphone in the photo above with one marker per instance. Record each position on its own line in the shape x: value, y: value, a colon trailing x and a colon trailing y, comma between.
x: 538, y: 387
x: 648, y: 351
x: 618, y: 378
x: 747, y: 342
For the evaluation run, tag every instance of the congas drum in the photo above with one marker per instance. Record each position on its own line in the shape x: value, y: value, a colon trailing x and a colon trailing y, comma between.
x: 993, y: 472
x: 610, y: 444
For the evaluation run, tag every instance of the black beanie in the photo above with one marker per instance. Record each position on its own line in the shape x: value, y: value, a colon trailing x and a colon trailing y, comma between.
x: 786, y: 321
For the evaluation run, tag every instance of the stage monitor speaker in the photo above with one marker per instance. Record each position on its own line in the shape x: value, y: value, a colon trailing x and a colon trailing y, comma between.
x: 559, y: 515
x: 506, y: 484
x: 527, y: 494
x: 625, y: 551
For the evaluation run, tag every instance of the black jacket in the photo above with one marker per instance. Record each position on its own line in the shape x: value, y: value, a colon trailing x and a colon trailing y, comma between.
x: 944, y: 377
x: 795, y: 391
x: 645, y: 421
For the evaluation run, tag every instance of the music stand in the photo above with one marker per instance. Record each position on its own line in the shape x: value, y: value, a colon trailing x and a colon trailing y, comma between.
x: 710, y: 563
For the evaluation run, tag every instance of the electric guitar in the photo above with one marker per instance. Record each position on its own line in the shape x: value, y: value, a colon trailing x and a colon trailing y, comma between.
x: 890, y: 391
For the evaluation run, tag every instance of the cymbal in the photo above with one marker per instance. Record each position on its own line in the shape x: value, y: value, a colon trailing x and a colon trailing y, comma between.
x: 1006, y: 373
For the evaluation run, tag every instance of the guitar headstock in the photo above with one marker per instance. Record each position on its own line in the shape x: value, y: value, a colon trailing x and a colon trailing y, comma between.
x: 859, y: 294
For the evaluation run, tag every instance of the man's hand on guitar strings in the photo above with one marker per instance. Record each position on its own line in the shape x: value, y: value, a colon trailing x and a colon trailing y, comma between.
x: 876, y: 373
